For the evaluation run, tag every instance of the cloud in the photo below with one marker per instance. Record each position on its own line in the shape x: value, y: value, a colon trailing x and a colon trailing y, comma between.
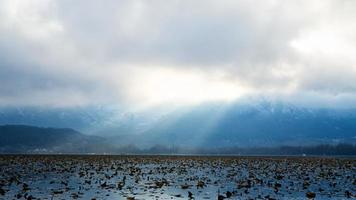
x: 102, y: 53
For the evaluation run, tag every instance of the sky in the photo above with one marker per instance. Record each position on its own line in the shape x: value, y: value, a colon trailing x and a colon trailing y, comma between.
x: 141, y: 54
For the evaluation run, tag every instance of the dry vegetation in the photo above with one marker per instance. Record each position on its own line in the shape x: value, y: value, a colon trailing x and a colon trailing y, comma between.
x: 175, y: 177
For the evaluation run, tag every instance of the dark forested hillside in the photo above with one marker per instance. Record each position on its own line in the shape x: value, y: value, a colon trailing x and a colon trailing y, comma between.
x: 21, y: 138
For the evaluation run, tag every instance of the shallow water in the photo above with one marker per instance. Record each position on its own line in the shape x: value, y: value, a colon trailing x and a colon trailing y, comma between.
x: 174, y: 177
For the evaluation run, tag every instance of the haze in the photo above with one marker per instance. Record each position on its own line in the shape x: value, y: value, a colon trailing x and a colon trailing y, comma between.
x: 221, y: 73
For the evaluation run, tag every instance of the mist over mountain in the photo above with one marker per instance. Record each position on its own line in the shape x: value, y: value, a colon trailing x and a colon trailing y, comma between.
x: 84, y: 119
x: 263, y: 124
x: 258, y: 124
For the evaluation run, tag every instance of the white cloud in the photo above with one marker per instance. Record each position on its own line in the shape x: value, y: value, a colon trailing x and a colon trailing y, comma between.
x: 134, y: 52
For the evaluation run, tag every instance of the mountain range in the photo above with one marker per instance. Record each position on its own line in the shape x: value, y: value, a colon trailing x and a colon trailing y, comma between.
x: 261, y: 124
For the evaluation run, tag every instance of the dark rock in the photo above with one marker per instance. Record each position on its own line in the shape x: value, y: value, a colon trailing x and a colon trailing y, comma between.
x: 221, y: 197
x: 310, y: 195
x: 200, y: 184
x: 348, y: 194
x: 185, y: 186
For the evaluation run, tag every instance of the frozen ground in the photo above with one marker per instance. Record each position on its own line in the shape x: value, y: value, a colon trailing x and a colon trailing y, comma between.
x: 175, y: 177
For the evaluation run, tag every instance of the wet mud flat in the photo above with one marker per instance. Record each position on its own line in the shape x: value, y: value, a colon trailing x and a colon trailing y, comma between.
x: 175, y: 177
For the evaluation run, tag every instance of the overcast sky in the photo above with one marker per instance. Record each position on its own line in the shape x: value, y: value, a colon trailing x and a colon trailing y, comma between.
x: 143, y: 53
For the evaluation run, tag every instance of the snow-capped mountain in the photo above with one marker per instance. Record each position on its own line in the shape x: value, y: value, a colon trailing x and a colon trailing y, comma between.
x: 260, y: 123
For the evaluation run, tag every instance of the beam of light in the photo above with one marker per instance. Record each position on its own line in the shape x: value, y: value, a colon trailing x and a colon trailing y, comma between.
x: 209, y: 126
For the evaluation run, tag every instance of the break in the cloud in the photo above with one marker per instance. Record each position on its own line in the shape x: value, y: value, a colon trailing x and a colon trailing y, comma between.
x: 63, y: 53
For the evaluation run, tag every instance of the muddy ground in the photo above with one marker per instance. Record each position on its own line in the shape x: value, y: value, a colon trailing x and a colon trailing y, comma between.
x: 175, y: 177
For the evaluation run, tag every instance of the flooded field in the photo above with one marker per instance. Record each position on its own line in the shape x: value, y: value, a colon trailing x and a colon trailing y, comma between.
x: 175, y: 177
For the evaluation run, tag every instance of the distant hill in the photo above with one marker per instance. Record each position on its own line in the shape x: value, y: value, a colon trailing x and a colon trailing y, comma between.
x: 31, y: 139
x: 237, y: 124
